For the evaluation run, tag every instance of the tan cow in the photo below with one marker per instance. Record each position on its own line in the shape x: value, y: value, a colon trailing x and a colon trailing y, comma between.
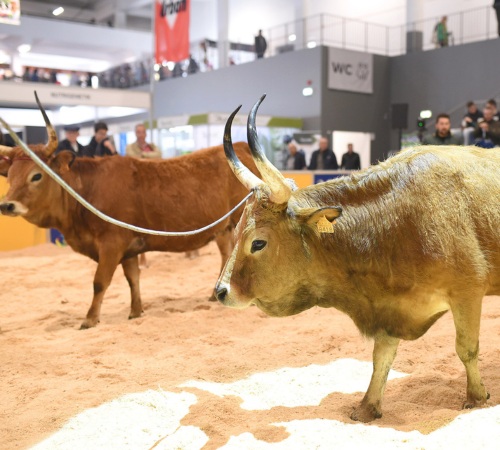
x: 394, y: 246
x: 177, y: 194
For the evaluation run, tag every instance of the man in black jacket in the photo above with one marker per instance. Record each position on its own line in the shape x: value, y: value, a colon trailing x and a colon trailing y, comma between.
x: 296, y: 159
x: 323, y: 158
x: 350, y: 159
x: 70, y: 142
x: 100, y: 144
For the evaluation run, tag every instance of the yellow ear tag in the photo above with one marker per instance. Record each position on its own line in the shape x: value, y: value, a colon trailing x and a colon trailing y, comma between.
x: 324, y: 226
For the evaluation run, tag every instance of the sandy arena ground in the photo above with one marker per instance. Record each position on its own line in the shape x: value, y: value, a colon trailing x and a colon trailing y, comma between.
x: 191, y: 374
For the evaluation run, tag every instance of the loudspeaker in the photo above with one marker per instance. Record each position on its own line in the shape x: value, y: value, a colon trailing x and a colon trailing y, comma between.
x: 399, y: 116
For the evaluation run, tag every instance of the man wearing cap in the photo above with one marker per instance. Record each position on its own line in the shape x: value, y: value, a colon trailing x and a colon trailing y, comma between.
x: 70, y: 143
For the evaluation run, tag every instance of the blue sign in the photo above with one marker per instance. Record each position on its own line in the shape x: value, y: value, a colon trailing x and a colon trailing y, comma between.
x: 322, y: 177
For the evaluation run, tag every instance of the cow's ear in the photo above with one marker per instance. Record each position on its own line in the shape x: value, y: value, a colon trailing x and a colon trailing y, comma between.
x: 322, y: 219
x: 62, y: 161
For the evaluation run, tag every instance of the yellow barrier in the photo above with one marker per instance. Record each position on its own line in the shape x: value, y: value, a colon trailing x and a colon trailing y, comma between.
x: 15, y: 232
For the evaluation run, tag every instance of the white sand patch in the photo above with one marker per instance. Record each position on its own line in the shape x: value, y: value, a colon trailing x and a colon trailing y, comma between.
x: 134, y: 421
x: 152, y: 419
x: 480, y: 429
x: 304, y: 386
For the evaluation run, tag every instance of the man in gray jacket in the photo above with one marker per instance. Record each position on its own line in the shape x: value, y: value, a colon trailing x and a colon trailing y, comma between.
x: 443, y: 135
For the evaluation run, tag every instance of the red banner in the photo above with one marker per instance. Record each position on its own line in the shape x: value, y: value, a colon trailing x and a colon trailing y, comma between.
x: 172, y: 30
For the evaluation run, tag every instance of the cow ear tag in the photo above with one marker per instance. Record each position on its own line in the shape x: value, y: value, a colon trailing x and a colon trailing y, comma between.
x: 324, y: 225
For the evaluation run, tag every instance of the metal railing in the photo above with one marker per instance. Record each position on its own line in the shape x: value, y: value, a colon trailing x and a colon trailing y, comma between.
x: 335, y: 31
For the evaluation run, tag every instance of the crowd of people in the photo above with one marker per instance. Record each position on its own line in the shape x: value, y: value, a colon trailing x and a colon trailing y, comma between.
x: 322, y: 158
x: 480, y: 128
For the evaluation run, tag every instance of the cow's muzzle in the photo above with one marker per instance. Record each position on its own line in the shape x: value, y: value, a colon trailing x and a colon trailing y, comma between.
x: 8, y: 209
x: 220, y: 292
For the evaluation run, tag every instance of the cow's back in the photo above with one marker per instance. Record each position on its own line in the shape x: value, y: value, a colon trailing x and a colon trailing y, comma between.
x: 432, y: 207
x: 177, y: 194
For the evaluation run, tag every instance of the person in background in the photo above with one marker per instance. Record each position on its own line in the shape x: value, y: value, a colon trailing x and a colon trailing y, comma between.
x: 487, y: 132
x: 442, y: 32
x: 350, y: 159
x: 193, y: 66
x: 296, y: 159
x: 469, y: 122
x: 70, y: 142
x: 443, y: 135
x: 493, y: 104
x: 100, y: 144
x: 496, y: 6
x: 140, y: 148
x: 472, y: 115
x: 260, y: 45
x: 323, y: 158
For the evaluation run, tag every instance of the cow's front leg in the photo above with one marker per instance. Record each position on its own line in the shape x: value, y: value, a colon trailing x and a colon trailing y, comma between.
x: 132, y: 274
x: 384, y: 352
x: 467, y: 316
x: 108, y: 260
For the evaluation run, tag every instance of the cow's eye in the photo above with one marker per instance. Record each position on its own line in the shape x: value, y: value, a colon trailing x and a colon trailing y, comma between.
x: 258, y: 245
x: 36, y: 177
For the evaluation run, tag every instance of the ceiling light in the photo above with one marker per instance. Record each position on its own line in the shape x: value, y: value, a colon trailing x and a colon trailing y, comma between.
x: 307, y: 91
x: 426, y: 114
x: 58, y: 11
x: 24, y: 48
x: 311, y: 44
x: 292, y: 37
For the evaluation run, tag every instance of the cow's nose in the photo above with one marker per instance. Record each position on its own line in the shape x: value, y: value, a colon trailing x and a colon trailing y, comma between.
x: 220, y: 293
x: 7, y: 207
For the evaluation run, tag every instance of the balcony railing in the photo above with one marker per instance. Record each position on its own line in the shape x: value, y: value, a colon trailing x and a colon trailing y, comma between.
x: 333, y: 31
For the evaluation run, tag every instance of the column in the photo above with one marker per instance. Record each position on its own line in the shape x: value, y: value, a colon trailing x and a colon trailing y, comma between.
x: 223, y: 32
x: 414, y: 18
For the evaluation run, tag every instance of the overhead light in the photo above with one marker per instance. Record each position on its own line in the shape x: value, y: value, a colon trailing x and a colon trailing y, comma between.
x: 24, y: 48
x: 307, y: 91
x: 426, y: 114
x: 292, y: 37
x: 58, y: 11
x: 311, y: 44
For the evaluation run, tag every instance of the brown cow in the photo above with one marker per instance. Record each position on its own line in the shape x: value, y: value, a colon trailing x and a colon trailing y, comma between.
x: 178, y: 194
x: 394, y: 246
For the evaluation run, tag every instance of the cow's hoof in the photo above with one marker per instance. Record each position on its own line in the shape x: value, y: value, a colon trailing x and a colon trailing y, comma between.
x: 88, y: 323
x: 135, y: 315
x: 365, y: 414
x: 471, y: 403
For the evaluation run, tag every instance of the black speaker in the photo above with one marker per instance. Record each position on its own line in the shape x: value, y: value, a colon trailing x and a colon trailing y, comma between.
x: 399, y: 116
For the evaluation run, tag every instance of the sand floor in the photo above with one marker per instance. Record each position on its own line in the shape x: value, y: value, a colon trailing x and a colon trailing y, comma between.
x: 191, y: 374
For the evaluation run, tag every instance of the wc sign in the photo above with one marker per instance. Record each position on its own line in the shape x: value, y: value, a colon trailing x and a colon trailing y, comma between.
x: 350, y: 71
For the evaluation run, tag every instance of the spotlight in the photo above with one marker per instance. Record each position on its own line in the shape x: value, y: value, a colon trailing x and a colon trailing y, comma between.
x: 58, y: 11
x: 292, y: 37
x: 24, y: 48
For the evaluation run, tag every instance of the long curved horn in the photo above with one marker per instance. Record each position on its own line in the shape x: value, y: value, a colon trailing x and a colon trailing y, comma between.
x: 51, y: 145
x: 281, y: 192
x: 247, y: 178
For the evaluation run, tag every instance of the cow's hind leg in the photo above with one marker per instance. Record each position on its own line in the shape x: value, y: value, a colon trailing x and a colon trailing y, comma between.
x: 132, y: 274
x: 225, y: 244
x: 108, y: 260
x: 467, y: 316
x: 384, y: 352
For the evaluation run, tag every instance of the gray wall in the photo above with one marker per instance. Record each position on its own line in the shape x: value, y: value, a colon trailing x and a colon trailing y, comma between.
x: 351, y: 111
x: 282, y: 78
x: 443, y: 80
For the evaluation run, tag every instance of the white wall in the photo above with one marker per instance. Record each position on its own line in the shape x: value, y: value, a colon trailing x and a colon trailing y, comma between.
x: 388, y: 12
